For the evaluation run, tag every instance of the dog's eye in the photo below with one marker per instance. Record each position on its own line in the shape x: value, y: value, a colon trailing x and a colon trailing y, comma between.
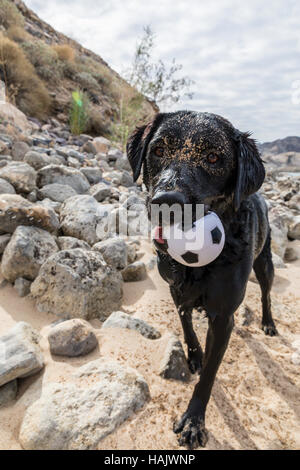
x: 159, y: 151
x: 212, y: 158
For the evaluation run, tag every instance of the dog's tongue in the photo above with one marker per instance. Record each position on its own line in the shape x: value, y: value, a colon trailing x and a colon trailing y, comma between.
x: 158, y: 235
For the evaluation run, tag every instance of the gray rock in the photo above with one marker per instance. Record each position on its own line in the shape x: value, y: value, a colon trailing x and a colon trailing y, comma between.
x: 56, y: 192
x: 19, y: 150
x: 134, y: 272
x: 123, y: 320
x: 8, y: 392
x: 120, y: 178
x: 100, y: 191
x: 114, y: 252
x: 79, y: 217
x: 22, y: 286
x: 174, y: 364
x: 289, y: 255
x: 69, y: 243
x: 122, y: 163
x: 63, y: 175
x: 26, y: 251
x: 294, y: 228
x: 277, y: 261
x: 39, y: 160
x: 98, y: 145
x: 93, y: 175
x: 78, y: 415
x: 16, y: 210
x: 20, y: 175
x: 4, y: 239
x: 49, y: 204
x: 20, y: 353
x: 6, y: 187
x: 72, y: 338
x: 77, y: 284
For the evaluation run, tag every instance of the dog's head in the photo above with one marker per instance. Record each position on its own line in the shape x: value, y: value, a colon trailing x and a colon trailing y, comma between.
x: 195, y: 158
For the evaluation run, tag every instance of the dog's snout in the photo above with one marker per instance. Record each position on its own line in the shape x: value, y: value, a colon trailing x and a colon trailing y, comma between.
x: 169, y: 198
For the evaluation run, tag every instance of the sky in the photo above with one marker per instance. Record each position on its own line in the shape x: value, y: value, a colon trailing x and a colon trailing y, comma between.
x: 244, y: 57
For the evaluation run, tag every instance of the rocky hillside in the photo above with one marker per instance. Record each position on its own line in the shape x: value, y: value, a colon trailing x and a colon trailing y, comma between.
x: 288, y: 144
x: 282, y: 154
x: 41, y: 68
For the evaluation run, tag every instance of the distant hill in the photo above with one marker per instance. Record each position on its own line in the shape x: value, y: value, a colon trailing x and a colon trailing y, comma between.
x: 42, y: 67
x: 288, y: 144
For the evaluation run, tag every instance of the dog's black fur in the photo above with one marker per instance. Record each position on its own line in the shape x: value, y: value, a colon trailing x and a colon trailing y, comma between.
x: 200, y: 158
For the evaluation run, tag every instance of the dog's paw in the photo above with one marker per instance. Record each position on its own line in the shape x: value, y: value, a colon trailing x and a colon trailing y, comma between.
x: 270, y: 329
x: 191, y: 430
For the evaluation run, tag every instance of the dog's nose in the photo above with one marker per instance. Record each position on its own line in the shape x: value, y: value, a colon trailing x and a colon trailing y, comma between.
x: 169, y: 198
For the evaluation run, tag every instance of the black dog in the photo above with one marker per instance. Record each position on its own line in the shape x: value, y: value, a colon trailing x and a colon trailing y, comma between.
x: 200, y: 158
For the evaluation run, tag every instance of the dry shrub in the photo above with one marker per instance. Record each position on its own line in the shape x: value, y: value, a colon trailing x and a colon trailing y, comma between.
x: 10, y: 15
x: 44, y: 59
x: 97, y: 125
x: 65, y: 52
x: 17, y: 34
x: 24, y: 88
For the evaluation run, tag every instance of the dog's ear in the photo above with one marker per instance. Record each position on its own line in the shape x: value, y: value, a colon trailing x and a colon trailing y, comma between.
x: 138, y: 142
x: 250, y: 168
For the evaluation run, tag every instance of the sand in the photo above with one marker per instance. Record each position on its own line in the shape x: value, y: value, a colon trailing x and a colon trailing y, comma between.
x: 255, y: 403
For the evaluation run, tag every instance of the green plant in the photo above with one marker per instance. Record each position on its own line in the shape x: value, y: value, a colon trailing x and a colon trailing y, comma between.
x: 155, y: 80
x: 129, y: 115
x: 79, y: 112
x: 10, y: 15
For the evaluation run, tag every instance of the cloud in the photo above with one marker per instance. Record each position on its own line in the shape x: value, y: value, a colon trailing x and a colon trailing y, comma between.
x: 243, y: 56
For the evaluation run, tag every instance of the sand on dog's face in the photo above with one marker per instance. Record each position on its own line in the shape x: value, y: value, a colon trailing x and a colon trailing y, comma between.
x: 255, y: 399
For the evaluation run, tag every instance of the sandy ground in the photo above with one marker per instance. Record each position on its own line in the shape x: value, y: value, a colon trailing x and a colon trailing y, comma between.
x: 255, y: 402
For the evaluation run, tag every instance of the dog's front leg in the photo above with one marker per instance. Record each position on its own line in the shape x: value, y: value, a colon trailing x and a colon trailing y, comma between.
x: 191, y: 426
x: 195, y: 354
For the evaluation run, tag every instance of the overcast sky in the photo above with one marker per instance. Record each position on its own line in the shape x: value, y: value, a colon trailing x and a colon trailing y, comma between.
x: 243, y: 56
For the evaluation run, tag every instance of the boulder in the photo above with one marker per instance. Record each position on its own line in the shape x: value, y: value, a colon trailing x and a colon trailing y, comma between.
x: 77, y: 284
x: 72, y: 338
x: 134, y: 272
x: 22, y: 286
x: 4, y: 239
x: 56, y: 192
x: 174, y: 364
x: 15, y: 210
x: 10, y: 113
x: 78, y: 415
x: 20, y: 175
x: 39, y: 160
x: 93, y: 175
x: 8, y: 392
x: 69, y: 243
x: 18, y: 151
x: 20, y: 353
x: 114, y: 252
x: 61, y: 174
x: 100, y: 191
x: 294, y: 228
x: 123, y: 320
x: 26, y: 251
x: 6, y: 187
x: 79, y: 217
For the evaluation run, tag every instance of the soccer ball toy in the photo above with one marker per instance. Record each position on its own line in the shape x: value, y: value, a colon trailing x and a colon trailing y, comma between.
x: 198, y: 246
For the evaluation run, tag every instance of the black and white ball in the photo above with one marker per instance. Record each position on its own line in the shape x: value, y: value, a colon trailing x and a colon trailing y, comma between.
x: 197, y: 246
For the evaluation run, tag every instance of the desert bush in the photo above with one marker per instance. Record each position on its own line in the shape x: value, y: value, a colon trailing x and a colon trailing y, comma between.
x: 17, y: 34
x: 44, y: 59
x: 10, y: 15
x: 97, y: 124
x: 79, y: 112
x: 24, y: 88
x: 87, y: 81
x: 65, y: 52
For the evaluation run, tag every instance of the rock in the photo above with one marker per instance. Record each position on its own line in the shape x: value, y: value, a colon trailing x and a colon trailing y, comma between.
x: 49, y: 204
x: 14, y: 115
x: 100, y: 191
x: 8, y: 392
x: 26, y: 251
x: 39, y: 160
x: 294, y: 228
x: 120, y: 178
x: 22, y: 286
x: 79, y: 217
x: 6, y: 187
x: 4, y: 239
x: 20, y: 353
x: 114, y: 252
x: 122, y: 320
x: 277, y: 261
x: 98, y: 145
x: 295, y: 358
x: 56, y: 192
x: 134, y: 272
x: 63, y: 175
x: 93, y: 175
x: 122, y: 163
x: 78, y: 415
x: 18, y: 151
x: 69, y: 243
x: 77, y: 284
x: 72, y: 338
x: 20, y: 175
x: 174, y: 364
x: 15, y: 210
x: 289, y: 255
